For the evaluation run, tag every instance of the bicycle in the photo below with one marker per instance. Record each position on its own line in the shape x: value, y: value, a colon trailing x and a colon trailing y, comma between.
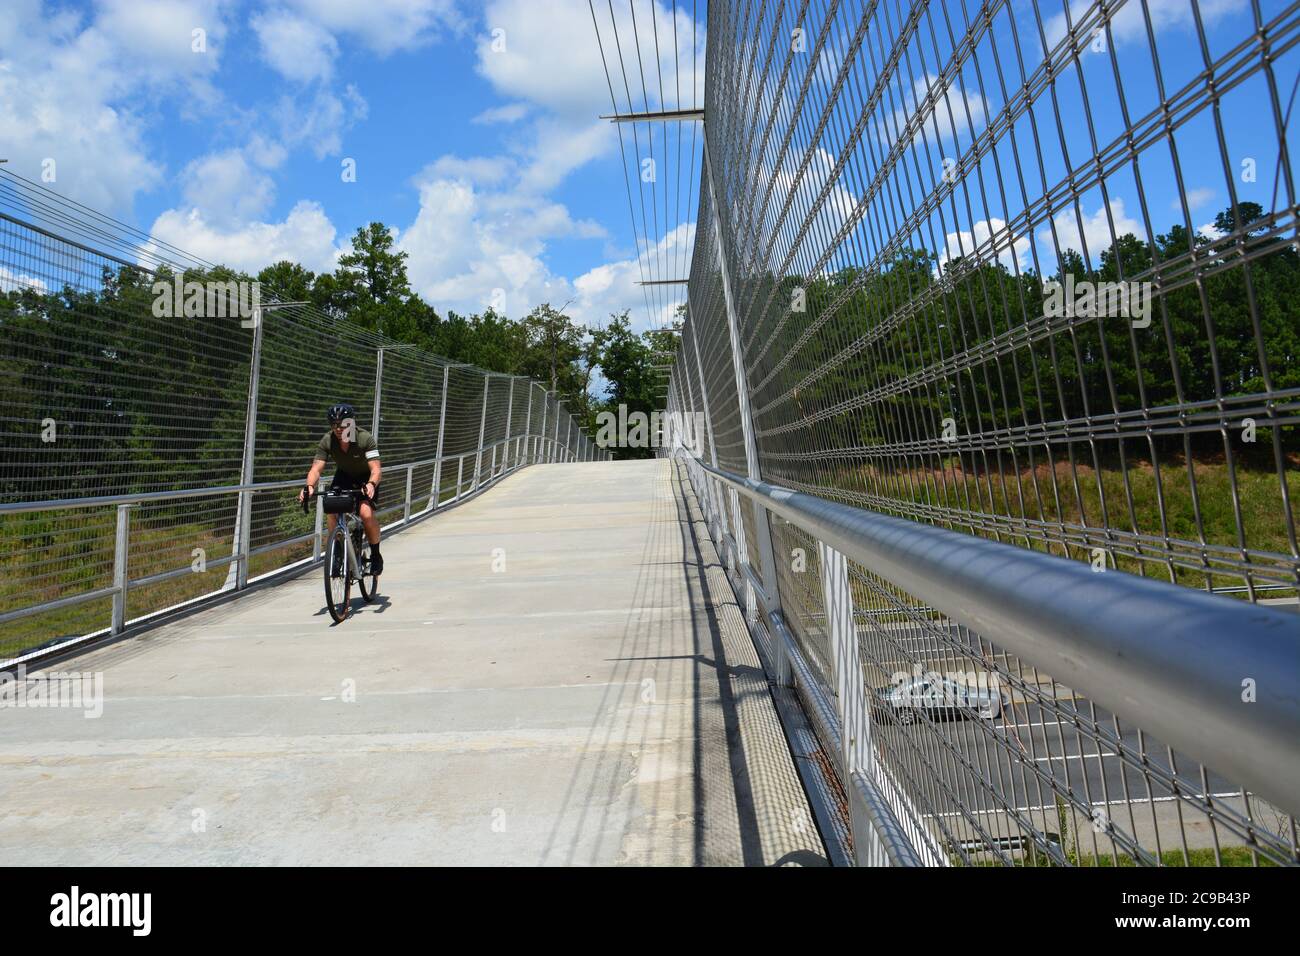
x: 347, y: 553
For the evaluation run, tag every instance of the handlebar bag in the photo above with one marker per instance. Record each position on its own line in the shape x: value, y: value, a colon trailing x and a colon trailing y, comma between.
x: 338, y: 502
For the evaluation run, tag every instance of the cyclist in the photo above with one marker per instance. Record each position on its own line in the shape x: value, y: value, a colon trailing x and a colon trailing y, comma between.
x: 356, y: 455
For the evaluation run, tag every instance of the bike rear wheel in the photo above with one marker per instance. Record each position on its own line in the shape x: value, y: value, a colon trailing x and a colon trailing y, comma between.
x: 338, y: 586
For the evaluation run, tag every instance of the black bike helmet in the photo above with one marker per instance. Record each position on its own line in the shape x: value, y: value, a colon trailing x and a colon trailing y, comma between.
x: 341, y: 412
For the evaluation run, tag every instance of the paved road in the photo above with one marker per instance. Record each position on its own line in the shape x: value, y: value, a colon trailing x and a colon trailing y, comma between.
x: 596, y: 701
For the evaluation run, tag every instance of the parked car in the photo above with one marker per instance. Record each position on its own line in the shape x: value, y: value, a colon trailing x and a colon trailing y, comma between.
x: 936, y: 697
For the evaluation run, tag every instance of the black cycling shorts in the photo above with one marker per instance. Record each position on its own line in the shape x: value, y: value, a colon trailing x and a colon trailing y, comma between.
x: 342, y: 482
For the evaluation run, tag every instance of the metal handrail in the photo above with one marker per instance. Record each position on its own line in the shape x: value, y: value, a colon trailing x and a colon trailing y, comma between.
x: 63, y: 504
x: 122, y: 582
x: 1148, y: 650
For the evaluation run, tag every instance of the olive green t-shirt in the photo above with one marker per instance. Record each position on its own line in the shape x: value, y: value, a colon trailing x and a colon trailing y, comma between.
x: 356, y: 460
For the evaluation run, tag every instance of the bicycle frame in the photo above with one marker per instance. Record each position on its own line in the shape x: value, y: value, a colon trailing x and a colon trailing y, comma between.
x: 351, y: 524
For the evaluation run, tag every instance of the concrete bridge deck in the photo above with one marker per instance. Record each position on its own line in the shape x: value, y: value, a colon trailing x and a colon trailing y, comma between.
x: 598, y: 701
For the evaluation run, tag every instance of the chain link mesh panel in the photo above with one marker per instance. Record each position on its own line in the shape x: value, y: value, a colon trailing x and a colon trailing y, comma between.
x: 103, y: 392
x: 1027, y: 272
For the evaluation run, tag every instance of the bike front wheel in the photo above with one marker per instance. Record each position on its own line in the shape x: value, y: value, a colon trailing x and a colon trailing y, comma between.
x: 338, y: 582
x: 368, y: 582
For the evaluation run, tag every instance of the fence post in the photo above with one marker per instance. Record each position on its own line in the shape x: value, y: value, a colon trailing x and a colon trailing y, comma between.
x: 406, y: 509
x: 712, y: 508
x: 121, y: 567
x: 510, y: 411
x: 762, y: 530
x: 541, y: 432
x: 442, y: 428
x: 555, y: 439
x: 237, y: 575
x: 526, y: 438
x: 379, y: 387
x: 850, y: 699
x: 320, y: 526
x: 482, y: 422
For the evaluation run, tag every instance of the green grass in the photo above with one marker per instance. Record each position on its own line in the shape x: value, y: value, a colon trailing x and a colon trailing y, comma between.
x: 1258, y: 493
x: 48, y: 555
x: 1228, y: 856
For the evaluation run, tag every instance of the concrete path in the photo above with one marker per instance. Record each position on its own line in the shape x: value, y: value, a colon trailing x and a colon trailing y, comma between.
x: 593, y: 700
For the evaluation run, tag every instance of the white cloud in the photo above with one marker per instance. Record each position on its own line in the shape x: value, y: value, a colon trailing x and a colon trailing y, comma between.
x: 1011, y: 253
x: 16, y: 282
x: 551, y: 57
x: 510, y: 113
x: 295, y: 47
x: 546, y: 54
x: 306, y: 236
x: 945, y: 115
x: 226, y: 188
x: 483, y: 170
x: 610, y: 288
x: 1096, y: 230
x: 836, y: 209
x: 60, y: 78
x: 1196, y: 198
x: 384, y: 26
x: 485, y: 221
x: 558, y: 148
x: 467, y: 242
x: 320, y: 120
x: 158, y: 36
x: 1128, y: 25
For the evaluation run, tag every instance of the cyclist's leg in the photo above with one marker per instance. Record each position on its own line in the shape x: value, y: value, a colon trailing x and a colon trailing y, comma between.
x: 337, y: 483
x: 370, y: 521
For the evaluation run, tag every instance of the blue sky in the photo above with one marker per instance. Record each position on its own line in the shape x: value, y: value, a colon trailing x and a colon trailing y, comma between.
x: 481, y: 149
x: 487, y: 158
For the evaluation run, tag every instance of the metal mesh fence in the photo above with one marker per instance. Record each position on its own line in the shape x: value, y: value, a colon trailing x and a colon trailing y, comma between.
x: 108, y: 391
x: 1027, y: 272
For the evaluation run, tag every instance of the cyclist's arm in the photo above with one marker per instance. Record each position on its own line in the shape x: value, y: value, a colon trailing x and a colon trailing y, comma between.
x: 313, y: 473
x: 372, y: 459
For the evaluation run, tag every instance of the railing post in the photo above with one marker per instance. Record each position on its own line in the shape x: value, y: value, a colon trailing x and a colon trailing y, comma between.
x: 555, y: 439
x: 320, y: 527
x: 711, y: 502
x: 237, y: 573
x: 379, y: 387
x: 243, y: 517
x: 121, y: 567
x: 442, y: 428
x: 510, y: 411
x: 460, y: 476
x: 850, y: 699
x: 762, y: 529
x: 406, y: 509
x: 526, y: 439
x: 538, y: 444
x: 245, y: 533
x: 482, y: 423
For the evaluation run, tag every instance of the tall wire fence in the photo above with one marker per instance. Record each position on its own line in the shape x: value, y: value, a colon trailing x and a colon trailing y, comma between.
x: 1027, y: 272
x: 105, y: 394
